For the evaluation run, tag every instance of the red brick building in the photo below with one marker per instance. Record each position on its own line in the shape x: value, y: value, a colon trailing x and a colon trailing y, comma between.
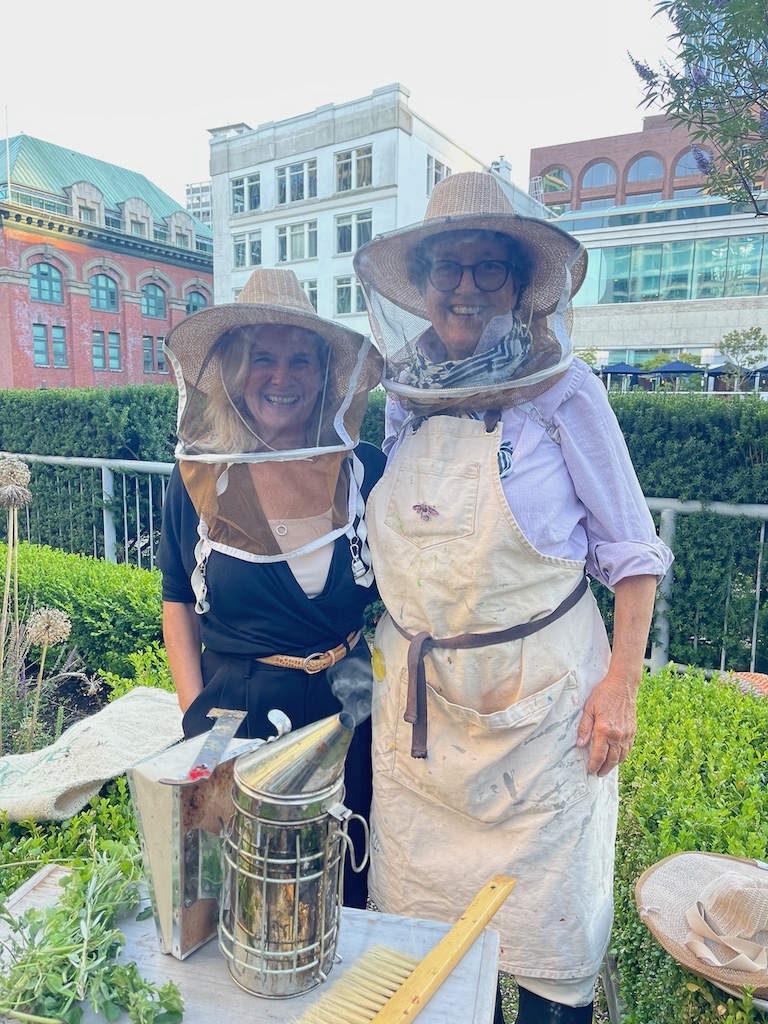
x: 96, y: 265
x: 639, y: 167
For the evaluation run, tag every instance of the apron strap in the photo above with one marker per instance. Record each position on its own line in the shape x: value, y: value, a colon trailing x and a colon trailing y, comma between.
x: 420, y: 643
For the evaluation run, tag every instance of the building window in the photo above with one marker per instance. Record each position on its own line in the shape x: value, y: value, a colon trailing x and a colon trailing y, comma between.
x: 113, y: 350
x: 59, y: 343
x: 138, y: 228
x: 41, y: 354
x: 86, y: 214
x: 297, y: 181
x: 254, y: 191
x: 349, y: 296
x: 182, y: 240
x: 598, y: 175
x: 238, y: 251
x: 113, y: 220
x: 645, y: 168
x: 237, y: 193
x: 436, y: 171
x: 103, y: 293
x: 353, y: 230
x: 162, y: 363
x: 195, y: 301
x: 254, y: 249
x: 154, y: 355
x: 556, y: 180
x: 598, y: 204
x: 354, y: 168
x: 686, y: 166
x: 45, y: 283
x: 153, y: 301
x: 310, y: 287
x: 98, y: 350
x: 641, y: 198
x: 297, y: 241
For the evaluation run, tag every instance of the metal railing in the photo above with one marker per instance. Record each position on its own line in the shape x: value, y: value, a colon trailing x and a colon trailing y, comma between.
x: 112, y: 509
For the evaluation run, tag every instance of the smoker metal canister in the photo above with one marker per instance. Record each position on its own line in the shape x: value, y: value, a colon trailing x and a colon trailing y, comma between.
x: 283, y: 853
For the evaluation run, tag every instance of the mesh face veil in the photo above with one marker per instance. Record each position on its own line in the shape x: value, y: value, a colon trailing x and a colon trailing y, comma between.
x: 271, y: 398
x: 470, y: 347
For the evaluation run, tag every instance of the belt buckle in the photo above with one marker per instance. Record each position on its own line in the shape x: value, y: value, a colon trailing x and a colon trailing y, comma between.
x: 310, y: 666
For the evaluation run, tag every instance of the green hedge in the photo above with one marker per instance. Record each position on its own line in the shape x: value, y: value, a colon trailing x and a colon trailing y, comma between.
x: 115, y: 609
x: 694, y: 780
x: 683, y: 446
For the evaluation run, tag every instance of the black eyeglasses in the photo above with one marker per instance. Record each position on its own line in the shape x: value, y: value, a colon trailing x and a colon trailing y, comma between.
x: 489, y: 276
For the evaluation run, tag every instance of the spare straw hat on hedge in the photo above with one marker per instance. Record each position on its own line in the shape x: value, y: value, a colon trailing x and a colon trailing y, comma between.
x: 471, y: 201
x: 710, y: 912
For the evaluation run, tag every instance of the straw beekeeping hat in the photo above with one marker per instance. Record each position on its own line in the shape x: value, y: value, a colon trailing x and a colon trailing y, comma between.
x: 710, y: 912
x: 472, y: 201
x: 270, y: 296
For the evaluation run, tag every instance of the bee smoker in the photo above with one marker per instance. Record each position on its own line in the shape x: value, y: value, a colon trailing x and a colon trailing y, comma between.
x: 283, y: 859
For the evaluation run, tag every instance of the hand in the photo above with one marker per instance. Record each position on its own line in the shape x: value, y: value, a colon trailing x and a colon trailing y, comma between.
x: 609, y: 721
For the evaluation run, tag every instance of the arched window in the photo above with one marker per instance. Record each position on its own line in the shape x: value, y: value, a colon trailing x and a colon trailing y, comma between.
x: 45, y: 283
x: 556, y: 180
x: 195, y: 301
x: 103, y: 293
x: 687, y: 166
x: 598, y: 174
x: 645, y: 168
x: 153, y: 301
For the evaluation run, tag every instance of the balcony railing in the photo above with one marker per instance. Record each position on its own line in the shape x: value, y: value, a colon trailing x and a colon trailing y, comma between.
x: 112, y: 509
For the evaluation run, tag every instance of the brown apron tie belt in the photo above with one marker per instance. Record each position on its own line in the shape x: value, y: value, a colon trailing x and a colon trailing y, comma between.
x: 421, y: 643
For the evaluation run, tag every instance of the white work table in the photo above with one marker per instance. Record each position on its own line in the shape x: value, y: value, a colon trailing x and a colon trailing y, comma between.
x: 210, y: 995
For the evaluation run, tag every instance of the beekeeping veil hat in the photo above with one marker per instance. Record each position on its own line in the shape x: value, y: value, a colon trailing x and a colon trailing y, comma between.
x: 523, y: 353
x: 710, y: 912
x: 256, y: 499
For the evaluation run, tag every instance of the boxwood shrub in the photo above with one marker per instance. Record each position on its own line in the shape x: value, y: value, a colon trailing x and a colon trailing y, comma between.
x: 115, y: 609
x: 696, y: 779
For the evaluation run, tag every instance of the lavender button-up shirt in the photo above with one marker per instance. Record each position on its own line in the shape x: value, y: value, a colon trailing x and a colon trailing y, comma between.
x: 573, y: 489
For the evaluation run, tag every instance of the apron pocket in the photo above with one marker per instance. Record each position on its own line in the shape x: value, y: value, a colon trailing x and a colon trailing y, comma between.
x: 440, y: 506
x: 491, y: 767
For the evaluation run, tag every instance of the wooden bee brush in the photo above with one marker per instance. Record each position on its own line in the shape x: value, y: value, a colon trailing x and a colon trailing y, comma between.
x: 387, y: 987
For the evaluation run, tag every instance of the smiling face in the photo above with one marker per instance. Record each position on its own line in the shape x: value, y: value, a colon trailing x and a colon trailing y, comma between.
x: 284, y: 379
x: 460, y: 316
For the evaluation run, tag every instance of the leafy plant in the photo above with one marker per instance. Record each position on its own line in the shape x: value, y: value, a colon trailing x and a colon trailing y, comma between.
x: 114, y: 609
x: 694, y: 780
x: 150, y: 668
x: 61, y: 956
x: 717, y: 89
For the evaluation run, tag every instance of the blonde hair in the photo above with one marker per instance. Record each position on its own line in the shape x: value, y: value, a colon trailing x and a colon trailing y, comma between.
x: 229, y: 424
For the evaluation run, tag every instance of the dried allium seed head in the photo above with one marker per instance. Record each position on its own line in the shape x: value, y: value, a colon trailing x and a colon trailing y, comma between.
x: 14, y: 496
x: 48, y: 626
x: 13, y: 471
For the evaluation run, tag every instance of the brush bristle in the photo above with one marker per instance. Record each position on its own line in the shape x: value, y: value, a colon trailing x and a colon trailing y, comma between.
x: 363, y: 989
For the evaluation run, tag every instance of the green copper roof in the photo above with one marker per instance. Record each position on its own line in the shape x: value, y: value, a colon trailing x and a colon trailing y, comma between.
x: 43, y: 167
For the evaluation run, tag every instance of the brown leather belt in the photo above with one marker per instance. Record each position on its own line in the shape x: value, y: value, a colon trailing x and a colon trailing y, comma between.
x: 314, y: 662
x: 420, y: 643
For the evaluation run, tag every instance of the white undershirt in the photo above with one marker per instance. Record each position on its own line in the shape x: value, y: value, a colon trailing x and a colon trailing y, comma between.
x: 309, y: 570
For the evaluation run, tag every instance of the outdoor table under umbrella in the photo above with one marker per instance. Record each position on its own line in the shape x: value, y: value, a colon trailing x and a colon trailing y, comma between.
x: 677, y: 368
x: 622, y: 370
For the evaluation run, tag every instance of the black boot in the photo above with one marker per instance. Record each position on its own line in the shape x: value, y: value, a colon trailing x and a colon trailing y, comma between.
x: 535, y: 1010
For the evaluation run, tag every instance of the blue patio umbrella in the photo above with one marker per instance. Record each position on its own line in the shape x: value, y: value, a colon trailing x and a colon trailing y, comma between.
x: 621, y: 368
x: 677, y: 367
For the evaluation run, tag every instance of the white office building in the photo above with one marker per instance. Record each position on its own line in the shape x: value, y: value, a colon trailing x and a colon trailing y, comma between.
x: 306, y: 192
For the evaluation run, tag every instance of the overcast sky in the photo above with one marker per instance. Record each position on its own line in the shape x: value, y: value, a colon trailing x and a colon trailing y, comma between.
x: 141, y: 88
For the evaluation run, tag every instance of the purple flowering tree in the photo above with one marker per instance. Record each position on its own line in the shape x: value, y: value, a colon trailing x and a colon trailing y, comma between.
x: 717, y: 87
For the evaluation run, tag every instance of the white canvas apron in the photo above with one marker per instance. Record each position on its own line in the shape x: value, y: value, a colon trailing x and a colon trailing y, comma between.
x: 503, y: 788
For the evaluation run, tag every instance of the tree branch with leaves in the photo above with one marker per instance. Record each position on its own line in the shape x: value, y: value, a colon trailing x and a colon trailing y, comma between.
x: 717, y: 88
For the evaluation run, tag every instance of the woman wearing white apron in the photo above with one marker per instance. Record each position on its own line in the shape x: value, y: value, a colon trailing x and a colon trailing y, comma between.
x: 500, y: 712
